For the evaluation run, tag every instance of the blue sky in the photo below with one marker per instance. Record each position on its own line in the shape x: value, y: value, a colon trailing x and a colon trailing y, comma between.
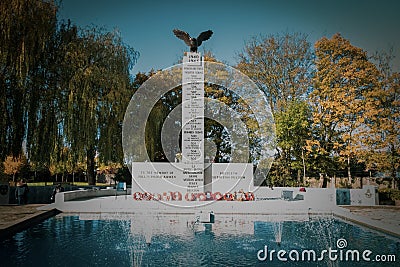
x: 147, y: 25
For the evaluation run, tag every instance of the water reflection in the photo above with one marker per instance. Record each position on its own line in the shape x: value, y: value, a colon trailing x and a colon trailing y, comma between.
x: 169, y: 239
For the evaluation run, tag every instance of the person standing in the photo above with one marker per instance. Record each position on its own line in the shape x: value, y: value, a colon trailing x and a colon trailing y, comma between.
x: 56, y: 190
x: 21, y: 192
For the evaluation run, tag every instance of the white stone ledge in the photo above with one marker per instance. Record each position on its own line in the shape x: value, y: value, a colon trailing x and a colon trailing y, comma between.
x: 90, y: 193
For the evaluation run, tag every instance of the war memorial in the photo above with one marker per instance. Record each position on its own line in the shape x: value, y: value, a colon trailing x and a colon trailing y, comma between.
x: 190, y: 180
x: 192, y: 175
x: 192, y: 211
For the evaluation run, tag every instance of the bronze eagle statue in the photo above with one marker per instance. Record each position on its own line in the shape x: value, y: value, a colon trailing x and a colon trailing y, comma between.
x: 193, y: 43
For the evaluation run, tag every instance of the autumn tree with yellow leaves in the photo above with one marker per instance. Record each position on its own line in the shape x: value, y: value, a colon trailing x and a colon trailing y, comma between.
x: 382, y: 134
x: 344, y: 83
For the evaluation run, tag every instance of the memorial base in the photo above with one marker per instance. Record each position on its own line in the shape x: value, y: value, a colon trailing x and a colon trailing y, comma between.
x: 163, y: 181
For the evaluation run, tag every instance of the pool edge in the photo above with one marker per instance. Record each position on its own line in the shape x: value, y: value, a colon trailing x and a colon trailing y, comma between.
x: 346, y: 215
x: 26, y: 222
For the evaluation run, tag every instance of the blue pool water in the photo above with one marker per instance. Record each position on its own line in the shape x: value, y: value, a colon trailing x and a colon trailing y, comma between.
x: 177, y: 241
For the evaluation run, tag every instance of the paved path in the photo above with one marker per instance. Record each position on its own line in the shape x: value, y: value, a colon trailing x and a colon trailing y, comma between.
x: 380, y: 214
x: 15, y: 218
x: 13, y: 213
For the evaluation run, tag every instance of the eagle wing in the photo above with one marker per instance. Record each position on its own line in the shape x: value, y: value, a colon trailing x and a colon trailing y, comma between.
x: 204, y: 36
x: 183, y: 36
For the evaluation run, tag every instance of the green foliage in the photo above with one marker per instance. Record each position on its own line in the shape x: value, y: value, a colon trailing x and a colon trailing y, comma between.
x: 97, y: 64
x: 395, y: 194
x: 3, y: 177
x: 389, y: 193
x: 153, y: 132
x: 66, y: 89
x: 292, y: 129
x: 123, y: 175
x: 26, y: 32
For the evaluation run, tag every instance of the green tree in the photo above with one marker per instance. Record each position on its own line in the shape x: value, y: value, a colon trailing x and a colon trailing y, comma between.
x: 156, y: 118
x: 45, y: 139
x: 293, y: 128
x: 98, y: 91
x: 65, y: 89
x: 26, y: 31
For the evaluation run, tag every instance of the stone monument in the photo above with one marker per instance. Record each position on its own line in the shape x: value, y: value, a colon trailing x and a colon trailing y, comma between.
x: 190, y: 178
x: 193, y: 120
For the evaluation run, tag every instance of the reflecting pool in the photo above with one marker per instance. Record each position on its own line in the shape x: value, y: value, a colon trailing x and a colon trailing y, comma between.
x: 180, y: 240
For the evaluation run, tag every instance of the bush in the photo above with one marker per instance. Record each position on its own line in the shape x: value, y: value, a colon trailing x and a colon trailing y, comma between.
x: 395, y: 194
x: 389, y: 193
x: 123, y: 175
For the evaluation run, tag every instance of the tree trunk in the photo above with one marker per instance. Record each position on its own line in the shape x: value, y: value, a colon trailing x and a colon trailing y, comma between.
x: 90, y: 169
x: 348, y: 169
x: 286, y: 170
x: 304, y: 164
x: 334, y: 180
x: 299, y: 182
x: 325, y: 181
x: 395, y: 183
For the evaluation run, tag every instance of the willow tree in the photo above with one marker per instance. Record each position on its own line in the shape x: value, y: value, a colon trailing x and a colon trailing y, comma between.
x: 97, y: 93
x: 45, y: 140
x: 155, y: 120
x: 344, y: 82
x: 26, y: 31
